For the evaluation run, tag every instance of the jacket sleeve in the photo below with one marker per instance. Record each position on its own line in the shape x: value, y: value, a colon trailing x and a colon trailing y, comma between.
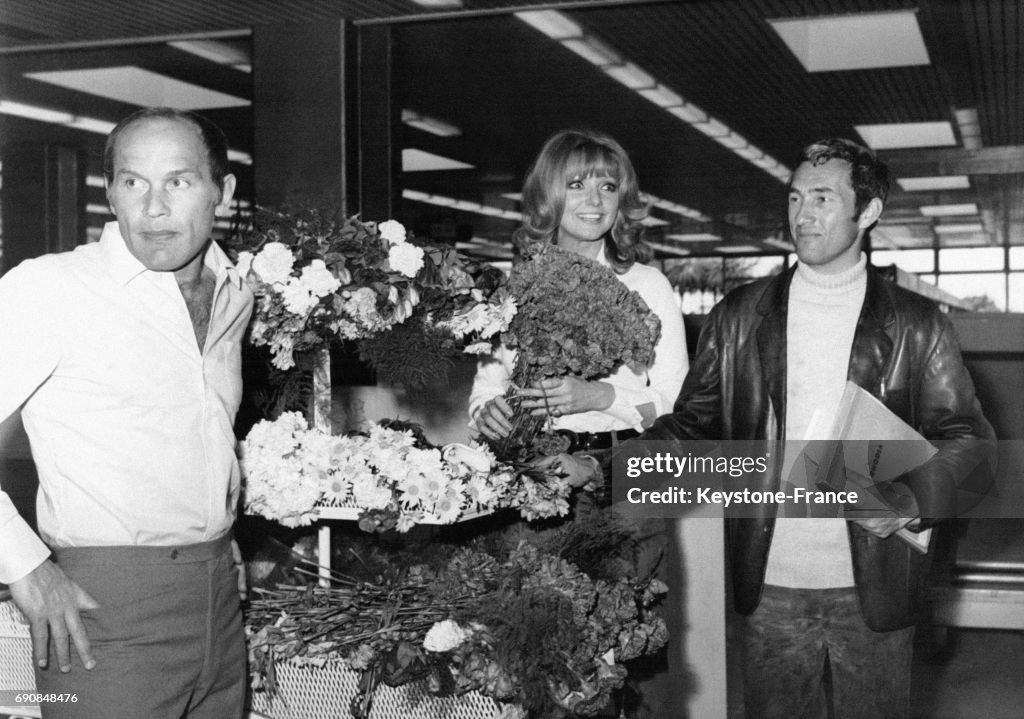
x: 960, y: 474
x: 698, y: 410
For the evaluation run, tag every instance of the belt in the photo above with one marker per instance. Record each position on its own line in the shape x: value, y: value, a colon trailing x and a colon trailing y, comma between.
x: 582, y: 441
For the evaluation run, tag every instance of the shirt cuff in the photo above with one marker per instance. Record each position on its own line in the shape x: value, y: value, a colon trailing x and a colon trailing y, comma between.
x: 23, y: 550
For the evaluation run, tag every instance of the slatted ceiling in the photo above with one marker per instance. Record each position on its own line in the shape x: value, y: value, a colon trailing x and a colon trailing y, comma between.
x: 508, y: 86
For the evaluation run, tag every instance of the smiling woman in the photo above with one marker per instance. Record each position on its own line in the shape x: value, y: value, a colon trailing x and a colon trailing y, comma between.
x: 582, y: 195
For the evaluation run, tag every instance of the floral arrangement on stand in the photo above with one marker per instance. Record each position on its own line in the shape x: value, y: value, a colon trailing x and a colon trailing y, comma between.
x: 546, y: 629
x: 320, y: 278
x: 574, y: 317
x: 390, y: 474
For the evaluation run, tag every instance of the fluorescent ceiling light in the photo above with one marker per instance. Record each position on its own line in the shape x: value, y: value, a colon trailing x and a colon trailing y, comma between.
x: 34, y: 112
x: 430, y: 124
x: 224, y: 53
x: 688, y: 112
x: 694, y: 237
x: 966, y: 208
x: 749, y: 153
x: 94, y: 181
x: 947, y: 182
x: 242, y: 158
x: 737, y: 248
x: 712, y: 128
x: 630, y: 75
x: 91, y: 124
x: 464, y: 205
x: 662, y: 96
x: 766, y: 163
x: 552, y: 23
x: 780, y: 244
x: 140, y: 87
x: 593, y: 51
x: 652, y: 221
x: 414, y: 160
x: 854, y: 42
x: 515, y: 196
x: 907, y: 134
x: 669, y: 249
x: 57, y: 117
x: 97, y: 209
x: 732, y: 141
x: 959, y: 228
x: 970, y: 128
x: 439, y: 3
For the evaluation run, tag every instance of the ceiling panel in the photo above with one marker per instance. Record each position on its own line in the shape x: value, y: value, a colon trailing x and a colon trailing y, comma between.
x: 507, y: 87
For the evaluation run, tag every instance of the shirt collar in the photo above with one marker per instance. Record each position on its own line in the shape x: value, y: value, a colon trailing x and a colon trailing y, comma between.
x: 124, y: 266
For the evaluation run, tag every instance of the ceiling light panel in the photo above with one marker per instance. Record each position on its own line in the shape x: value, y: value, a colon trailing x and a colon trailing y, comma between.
x: 895, y: 136
x: 552, y: 23
x: 920, y: 184
x: 854, y: 42
x: 233, y: 54
x: 430, y: 124
x: 694, y: 237
x: 966, y: 208
x: 414, y: 160
x: 960, y: 228
x: 140, y: 87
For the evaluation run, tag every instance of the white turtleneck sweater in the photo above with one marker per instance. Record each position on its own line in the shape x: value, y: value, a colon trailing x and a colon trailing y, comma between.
x: 822, y: 318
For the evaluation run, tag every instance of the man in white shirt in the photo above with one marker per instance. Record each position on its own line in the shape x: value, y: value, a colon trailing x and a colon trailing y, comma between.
x: 124, y: 357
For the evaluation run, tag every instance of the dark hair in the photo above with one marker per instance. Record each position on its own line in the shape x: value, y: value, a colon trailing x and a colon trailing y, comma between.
x: 213, y: 139
x: 869, y: 176
x: 572, y: 154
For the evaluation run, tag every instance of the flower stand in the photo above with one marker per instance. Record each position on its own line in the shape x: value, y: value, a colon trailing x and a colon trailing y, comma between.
x: 15, y: 659
x: 308, y: 692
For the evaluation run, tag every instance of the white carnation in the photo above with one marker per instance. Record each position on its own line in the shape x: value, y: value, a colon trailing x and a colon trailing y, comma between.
x: 444, y: 636
x: 318, y: 280
x: 297, y: 299
x: 392, y: 231
x: 274, y: 263
x: 406, y: 259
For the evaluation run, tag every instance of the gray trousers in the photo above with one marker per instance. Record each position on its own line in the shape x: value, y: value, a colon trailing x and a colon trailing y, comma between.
x: 167, y: 638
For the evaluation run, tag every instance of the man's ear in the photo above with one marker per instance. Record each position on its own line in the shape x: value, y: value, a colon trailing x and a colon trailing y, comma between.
x: 226, y: 195
x: 870, y: 214
x: 106, y: 193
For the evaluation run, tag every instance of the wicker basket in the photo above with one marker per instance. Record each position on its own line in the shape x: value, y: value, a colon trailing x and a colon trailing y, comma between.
x: 15, y: 650
x: 307, y: 692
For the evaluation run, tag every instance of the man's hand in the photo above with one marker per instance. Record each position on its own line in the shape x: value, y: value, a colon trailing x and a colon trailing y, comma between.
x: 578, y: 470
x: 568, y: 395
x: 884, y: 526
x: 494, y: 420
x: 51, y: 603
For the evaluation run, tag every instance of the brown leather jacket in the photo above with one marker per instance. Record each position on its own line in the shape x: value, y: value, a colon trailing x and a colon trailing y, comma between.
x: 906, y: 354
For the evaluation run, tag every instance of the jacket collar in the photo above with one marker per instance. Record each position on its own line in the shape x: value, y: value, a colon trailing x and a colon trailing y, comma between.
x: 872, y: 340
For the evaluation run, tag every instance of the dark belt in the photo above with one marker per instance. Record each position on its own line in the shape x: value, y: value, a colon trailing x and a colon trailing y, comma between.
x: 582, y: 441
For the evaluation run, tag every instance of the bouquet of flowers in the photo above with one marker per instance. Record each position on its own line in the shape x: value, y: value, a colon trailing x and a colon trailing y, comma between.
x: 573, y: 317
x: 390, y: 473
x: 319, y: 278
x: 530, y: 626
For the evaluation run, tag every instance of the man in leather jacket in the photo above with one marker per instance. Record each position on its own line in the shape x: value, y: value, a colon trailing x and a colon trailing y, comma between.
x: 831, y: 596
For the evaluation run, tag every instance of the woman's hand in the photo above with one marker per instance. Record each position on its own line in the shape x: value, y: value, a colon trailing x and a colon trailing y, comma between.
x: 494, y: 420
x: 558, y: 396
x: 578, y: 470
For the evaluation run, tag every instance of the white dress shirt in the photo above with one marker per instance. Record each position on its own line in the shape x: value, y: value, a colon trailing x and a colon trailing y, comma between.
x: 130, y: 423
x: 656, y: 386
